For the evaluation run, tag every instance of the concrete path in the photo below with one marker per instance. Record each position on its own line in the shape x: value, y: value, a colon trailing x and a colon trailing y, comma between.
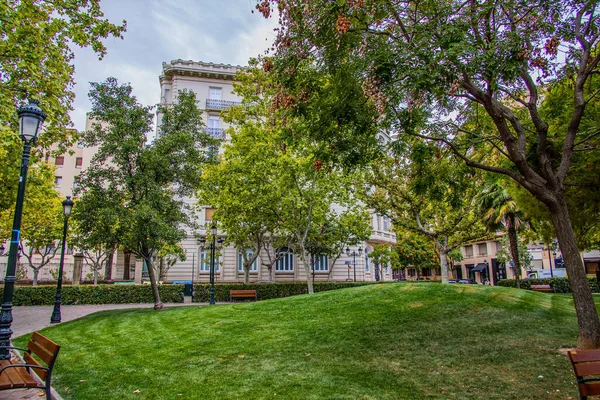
x: 34, y: 318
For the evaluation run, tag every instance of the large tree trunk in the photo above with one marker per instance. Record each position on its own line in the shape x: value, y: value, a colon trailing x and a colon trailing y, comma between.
x: 246, y: 274
x: 108, y: 267
x: 127, y: 261
x: 36, y: 272
x: 587, y: 315
x: 96, y: 275
x: 513, y: 247
x: 158, y: 305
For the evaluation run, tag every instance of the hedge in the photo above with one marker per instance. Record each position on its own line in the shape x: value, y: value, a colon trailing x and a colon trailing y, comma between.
x: 135, y: 294
x: 99, y: 294
x: 559, y: 285
x: 267, y: 291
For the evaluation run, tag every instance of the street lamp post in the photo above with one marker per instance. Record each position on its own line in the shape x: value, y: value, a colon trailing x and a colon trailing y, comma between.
x: 67, y: 207
x: 213, y: 245
x: 31, y: 118
x: 353, y: 254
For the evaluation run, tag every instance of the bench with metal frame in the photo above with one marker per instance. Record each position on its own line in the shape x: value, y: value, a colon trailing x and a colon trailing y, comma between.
x: 542, y: 288
x: 586, y: 365
x: 243, y: 294
x: 29, y: 373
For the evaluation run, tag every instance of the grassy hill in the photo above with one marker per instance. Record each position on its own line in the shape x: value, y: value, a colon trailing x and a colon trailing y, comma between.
x: 392, y: 341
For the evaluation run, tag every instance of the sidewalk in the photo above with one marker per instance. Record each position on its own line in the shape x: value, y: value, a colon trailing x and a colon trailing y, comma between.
x: 34, y: 318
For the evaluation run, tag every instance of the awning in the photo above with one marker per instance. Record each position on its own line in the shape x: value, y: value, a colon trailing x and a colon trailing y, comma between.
x: 480, y: 268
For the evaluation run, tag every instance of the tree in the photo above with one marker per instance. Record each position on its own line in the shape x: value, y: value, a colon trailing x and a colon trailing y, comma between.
x: 265, y: 191
x: 382, y: 255
x: 167, y: 257
x: 42, y: 223
x: 441, y: 60
x: 502, y: 212
x: 425, y: 191
x: 36, y: 60
x: 415, y: 250
x: 144, y: 184
x: 95, y: 229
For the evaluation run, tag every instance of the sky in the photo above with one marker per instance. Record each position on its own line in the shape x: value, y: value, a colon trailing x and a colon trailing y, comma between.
x: 219, y: 31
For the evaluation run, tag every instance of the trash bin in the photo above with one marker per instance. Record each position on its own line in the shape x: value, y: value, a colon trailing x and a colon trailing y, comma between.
x: 188, y: 287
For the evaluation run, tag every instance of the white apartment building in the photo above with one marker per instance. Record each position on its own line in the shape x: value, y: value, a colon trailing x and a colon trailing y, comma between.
x: 213, y: 86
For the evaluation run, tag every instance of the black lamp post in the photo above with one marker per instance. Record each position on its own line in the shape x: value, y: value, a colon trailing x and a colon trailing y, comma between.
x: 67, y: 207
x: 213, y: 245
x: 31, y: 118
x: 353, y: 254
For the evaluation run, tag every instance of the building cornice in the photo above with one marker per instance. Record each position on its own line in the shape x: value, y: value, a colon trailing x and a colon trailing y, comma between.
x: 198, y: 69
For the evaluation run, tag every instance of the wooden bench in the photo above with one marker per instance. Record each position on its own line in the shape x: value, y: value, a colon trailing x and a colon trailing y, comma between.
x: 243, y: 294
x: 586, y: 364
x: 542, y: 288
x: 14, y: 374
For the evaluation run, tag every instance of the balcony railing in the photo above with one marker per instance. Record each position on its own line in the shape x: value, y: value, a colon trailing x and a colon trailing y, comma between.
x: 218, y: 133
x: 213, y: 104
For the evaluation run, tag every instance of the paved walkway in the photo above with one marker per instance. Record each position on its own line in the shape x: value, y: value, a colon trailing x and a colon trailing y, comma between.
x: 34, y: 318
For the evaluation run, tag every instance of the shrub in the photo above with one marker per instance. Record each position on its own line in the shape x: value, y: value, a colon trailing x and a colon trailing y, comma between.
x: 134, y: 294
x: 267, y: 291
x: 99, y: 294
x: 559, y: 285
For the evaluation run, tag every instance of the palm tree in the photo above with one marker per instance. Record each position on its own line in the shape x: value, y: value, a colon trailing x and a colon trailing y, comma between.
x: 502, y: 213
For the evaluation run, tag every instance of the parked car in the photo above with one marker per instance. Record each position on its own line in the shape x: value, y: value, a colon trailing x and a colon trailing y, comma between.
x: 466, y: 281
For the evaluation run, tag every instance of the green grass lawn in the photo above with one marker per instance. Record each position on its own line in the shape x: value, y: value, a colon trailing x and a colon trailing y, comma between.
x: 392, y: 341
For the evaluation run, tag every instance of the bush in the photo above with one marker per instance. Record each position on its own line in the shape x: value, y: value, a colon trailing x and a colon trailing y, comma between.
x: 559, y: 285
x: 135, y: 294
x: 267, y: 291
x: 99, y: 294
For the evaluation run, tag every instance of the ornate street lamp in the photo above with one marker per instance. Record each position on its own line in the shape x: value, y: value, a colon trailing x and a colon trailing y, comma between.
x: 354, y: 254
x: 31, y: 118
x: 213, y: 245
x: 67, y: 207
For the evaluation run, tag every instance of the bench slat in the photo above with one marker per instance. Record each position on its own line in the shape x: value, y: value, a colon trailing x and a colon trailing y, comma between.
x: 16, y: 377
x: 587, y: 369
x: 45, y: 343
x: 589, y: 389
x: 584, y: 355
x: 39, y: 372
x: 40, y: 352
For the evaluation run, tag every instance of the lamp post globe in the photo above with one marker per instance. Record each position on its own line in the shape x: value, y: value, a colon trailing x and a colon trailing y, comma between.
x: 67, y: 208
x: 31, y: 118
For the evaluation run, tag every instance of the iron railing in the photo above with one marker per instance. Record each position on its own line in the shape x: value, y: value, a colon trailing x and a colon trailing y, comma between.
x: 214, y: 104
x: 218, y: 133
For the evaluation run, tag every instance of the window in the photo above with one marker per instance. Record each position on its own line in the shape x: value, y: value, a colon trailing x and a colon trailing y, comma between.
x: 250, y: 253
x: 498, y: 246
x: 285, y: 263
x: 78, y: 162
x: 469, y: 251
x: 482, y: 249
x: 214, y: 93
x: 167, y: 97
x: 378, y: 223
x: 386, y: 224
x: 214, y: 122
x: 58, y: 181
x: 367, y: 263
x: 321, y: 263
x: 205, y: 261
x: 60, y: 161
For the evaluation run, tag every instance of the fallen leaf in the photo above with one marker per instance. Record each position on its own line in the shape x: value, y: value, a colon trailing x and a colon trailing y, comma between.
x: 137, y: 391
x: 82, y: 380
